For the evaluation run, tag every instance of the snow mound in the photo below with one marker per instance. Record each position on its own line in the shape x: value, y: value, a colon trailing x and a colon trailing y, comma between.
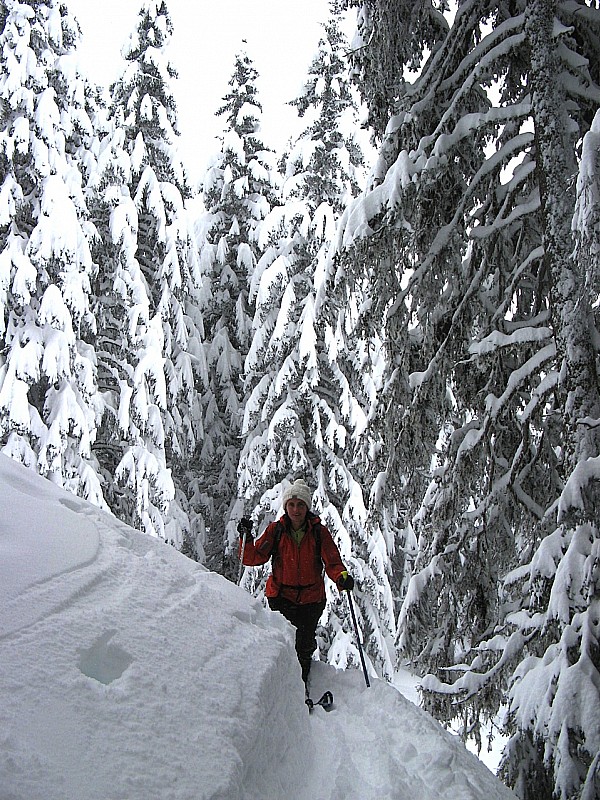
x: 131, y: 673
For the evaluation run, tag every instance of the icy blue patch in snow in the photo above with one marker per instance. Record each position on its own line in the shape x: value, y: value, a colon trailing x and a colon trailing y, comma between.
x: 103, y: 661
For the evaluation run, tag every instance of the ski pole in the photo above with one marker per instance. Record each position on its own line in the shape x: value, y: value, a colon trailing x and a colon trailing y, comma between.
x: 241, y: 566
x: 244, y: 527
x: 360, y: 650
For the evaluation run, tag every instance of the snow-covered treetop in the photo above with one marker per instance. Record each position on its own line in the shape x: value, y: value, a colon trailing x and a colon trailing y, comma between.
x: 143, y: 101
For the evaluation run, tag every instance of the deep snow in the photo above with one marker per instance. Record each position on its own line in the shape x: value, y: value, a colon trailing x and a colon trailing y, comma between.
x: 129, y: 671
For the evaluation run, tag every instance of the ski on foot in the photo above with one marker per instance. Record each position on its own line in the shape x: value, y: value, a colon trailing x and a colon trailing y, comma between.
x: 325, y: 701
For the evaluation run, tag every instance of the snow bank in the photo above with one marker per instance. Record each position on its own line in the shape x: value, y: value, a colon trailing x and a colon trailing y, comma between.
x: 130, y: 672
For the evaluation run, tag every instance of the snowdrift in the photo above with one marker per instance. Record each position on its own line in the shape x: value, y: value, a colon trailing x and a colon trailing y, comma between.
x: 131, y: 673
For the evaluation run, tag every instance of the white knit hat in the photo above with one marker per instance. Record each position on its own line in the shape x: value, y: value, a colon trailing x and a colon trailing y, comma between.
x: 299, y: 490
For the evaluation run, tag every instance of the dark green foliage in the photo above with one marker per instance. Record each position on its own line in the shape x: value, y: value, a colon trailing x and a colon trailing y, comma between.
x: 473, y: 288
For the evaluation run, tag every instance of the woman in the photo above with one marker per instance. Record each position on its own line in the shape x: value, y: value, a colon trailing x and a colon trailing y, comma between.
x: 299, y: 546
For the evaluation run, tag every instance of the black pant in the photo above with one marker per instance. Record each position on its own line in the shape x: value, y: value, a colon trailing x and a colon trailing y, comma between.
x: 304, y: 618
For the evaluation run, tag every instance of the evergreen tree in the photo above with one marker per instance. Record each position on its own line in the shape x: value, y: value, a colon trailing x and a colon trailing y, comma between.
x: 299, y: 418
x: 49, y: 403
x: 146, y: 292
x: 238, y: 194
x: 485, y: 296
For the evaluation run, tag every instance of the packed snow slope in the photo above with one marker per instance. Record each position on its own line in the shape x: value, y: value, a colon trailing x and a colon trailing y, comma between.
x: 130, y: 672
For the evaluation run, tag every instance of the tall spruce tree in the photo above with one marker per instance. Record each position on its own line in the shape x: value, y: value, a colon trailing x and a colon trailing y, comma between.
x: 49, y: 403
x: 298, y: 419
x: 238, y: 193
x: 149, y: 276
x: 485, y: 295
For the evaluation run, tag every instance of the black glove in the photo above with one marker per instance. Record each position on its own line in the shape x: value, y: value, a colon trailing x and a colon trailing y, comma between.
x: 245, y: 527
x: 345, y: 582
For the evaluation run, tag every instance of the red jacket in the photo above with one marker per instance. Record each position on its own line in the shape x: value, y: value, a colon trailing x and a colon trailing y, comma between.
x: 296, y: 570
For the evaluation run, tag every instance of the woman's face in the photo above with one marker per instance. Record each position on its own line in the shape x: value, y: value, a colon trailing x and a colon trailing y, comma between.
x: 296, y: 511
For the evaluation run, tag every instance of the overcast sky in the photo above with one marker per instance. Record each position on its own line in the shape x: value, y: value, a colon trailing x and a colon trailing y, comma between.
x: 282, y: 38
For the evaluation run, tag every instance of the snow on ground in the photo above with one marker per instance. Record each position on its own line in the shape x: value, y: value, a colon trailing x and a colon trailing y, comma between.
x: 131, y: 673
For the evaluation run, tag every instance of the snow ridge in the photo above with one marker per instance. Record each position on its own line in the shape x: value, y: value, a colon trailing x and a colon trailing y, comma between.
x: 130, y: 671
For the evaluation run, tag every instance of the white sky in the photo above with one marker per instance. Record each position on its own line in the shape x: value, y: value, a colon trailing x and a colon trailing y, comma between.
x: 282, y: 38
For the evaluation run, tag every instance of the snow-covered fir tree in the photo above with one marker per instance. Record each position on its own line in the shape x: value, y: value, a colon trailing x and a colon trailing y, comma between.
x: 149, y: 276
x: 299, y: 419
x: 49, y: 402
x: 122, y: 312
x: 238, y: 193
x: 487, y: 292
